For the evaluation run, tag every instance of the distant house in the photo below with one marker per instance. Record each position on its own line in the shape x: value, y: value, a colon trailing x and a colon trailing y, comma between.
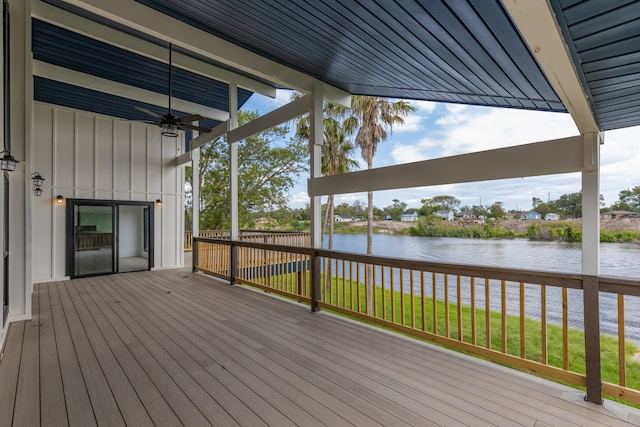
x: 552, y: 216
x: 617, y: 214
x: 409, y: 216
x: 467, y: 214
x: 446, y: 214
x: 531, y: 215
x: 340, y: 218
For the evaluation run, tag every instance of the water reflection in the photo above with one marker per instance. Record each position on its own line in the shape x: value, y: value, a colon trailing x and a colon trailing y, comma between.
x: 617, y: 259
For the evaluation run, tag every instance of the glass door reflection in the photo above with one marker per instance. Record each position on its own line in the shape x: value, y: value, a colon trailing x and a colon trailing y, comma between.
x: 93, y: 240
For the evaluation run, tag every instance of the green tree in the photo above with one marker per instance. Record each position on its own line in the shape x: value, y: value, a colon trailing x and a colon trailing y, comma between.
x: 535, y: 201
x: 397, y: 209
x: 631, y: 198
x: 268, y: 167
x: 496, y: 211
x: 433, y: 204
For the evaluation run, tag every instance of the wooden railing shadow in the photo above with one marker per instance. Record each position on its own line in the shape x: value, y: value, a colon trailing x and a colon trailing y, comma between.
x: 544, y: 323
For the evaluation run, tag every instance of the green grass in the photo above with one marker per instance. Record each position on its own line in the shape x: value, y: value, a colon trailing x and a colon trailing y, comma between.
x: 532, y: 328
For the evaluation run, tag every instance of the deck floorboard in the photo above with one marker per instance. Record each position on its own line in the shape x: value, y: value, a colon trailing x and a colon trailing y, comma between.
x: 175, y: 348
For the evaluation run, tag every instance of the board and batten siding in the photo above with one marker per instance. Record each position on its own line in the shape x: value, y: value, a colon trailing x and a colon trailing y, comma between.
x: 90, y: 156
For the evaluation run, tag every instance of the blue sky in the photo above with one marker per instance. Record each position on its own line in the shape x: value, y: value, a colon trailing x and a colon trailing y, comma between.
x: 436, y: 130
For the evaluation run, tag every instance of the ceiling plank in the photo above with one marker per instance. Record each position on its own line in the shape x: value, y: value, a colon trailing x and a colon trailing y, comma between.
x: 88, y: 81
x: 163, y: 27
x: 103, y: 33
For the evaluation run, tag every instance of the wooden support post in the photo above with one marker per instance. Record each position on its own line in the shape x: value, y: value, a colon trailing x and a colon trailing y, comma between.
x: 233, y: 270
x: 592, y: 339
x: 591, y: 264
x: 316, y: 285
x: 194, y: 255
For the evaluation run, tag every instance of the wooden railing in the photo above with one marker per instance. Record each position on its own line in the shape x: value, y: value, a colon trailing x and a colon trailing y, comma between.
x: 288, y: 238
x: 531, y: 320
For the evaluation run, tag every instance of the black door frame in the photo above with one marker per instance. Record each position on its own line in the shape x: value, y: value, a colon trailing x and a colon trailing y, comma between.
x: 5, y: 254
x: 70, y: 231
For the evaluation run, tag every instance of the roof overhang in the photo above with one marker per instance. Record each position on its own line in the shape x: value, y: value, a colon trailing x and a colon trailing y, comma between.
x: 539, y: 55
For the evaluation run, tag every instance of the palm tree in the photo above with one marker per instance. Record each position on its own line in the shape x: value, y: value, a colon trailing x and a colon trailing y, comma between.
x: 376, y: 117
x: 336, y: 158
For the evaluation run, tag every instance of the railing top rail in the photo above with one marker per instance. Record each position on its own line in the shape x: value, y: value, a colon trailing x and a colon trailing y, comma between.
x: 619, y: 285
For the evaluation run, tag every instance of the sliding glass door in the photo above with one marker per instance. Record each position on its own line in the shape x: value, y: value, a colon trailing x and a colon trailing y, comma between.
x: 93, y: 238
x: 108, y: 236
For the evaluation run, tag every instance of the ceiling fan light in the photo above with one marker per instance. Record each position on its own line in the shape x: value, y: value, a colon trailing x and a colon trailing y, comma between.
x: 169, y: 130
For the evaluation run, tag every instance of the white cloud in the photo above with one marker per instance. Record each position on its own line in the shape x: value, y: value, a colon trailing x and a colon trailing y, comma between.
x: 412, y: 123
x: 464, y: 129
x: 424, y: 106
x: 299, y: 199
x: 435, y: 130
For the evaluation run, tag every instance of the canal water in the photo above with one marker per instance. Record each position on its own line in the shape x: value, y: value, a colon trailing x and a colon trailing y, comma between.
x: 617, y: 259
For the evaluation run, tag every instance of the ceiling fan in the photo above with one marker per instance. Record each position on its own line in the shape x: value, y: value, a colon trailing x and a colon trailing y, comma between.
x: 170, y: 123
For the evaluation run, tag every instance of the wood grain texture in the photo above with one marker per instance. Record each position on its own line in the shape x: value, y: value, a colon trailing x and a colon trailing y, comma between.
x: 175, y: 348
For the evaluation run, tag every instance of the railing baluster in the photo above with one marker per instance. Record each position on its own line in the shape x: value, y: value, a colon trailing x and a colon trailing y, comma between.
x: 384, y: 297
x: 393, y: 302
x: 367, y: 280
x: 413, y: 301
x: 543, y: 320
x: 358, y: 287
x: 423, y: 310
x: 622, y: 360
x: 434, y: 292
x: 523, y: 331
x: 565, y: 330
x: 487, y: 313
x: 402, y: 314
x: 447, y: 327
x: 472, y: 289
x: 459, y: 302
x: 374, y: 287
x: 503, y: 306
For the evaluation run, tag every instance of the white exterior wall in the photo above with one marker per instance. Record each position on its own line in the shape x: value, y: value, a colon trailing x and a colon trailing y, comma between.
x: 89, y: 156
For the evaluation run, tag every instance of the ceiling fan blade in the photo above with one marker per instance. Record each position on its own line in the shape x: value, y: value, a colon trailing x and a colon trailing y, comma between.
x: 190, y: 118
x: 192, y: 127
x: 149, y: 112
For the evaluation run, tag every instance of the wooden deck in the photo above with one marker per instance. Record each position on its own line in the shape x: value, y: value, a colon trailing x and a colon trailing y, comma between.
x: 174, y: 348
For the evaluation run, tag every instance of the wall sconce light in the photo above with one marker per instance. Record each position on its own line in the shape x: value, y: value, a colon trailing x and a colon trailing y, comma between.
x: 158, y: 202
x: 59, y: 199
x: 8, y: 162
x: 37, y: 179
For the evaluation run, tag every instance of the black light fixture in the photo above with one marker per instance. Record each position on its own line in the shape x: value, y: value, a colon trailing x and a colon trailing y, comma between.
x: 170, y: 130
x: 8, y: 162
x: 59, y: 199
x: 158, y: 202
x: 37, y: 179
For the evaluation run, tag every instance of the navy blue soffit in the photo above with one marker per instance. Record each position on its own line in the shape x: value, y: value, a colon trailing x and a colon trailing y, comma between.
x: 604, y: 39
x: 70, y: 50
x: 464, y: 51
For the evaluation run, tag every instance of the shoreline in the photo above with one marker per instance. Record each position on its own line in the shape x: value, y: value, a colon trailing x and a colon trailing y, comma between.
x: 611, y: 230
